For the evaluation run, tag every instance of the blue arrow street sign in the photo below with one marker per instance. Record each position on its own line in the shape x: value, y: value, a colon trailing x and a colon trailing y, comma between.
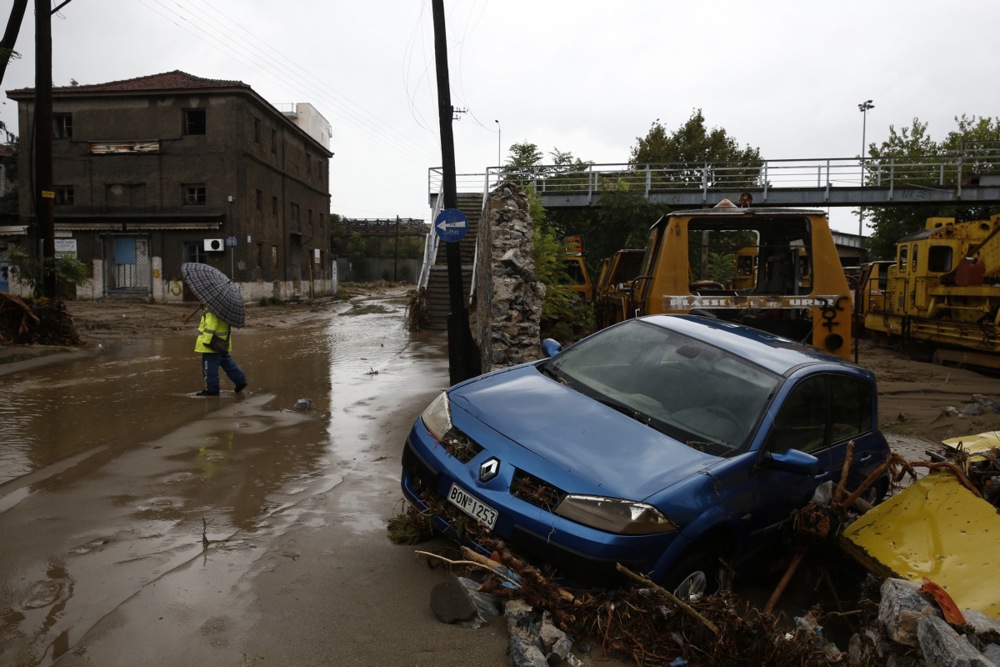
x: 451, y: 225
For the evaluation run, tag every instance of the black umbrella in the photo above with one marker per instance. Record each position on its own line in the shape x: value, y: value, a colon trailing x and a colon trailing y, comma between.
x: 214, y: 289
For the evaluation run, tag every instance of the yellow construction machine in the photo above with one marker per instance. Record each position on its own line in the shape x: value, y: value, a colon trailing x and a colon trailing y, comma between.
x: 941, y: 295
x: 769, y: 268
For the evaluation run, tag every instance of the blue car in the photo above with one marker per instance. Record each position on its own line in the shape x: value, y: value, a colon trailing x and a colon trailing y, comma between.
x: 675, y: 445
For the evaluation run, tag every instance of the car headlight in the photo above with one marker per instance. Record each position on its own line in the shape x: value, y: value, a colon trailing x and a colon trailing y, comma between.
x: 437, y: 416
x: 613, y: 515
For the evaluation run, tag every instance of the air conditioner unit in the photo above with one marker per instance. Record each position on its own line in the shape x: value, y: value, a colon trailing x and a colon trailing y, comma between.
x: 215, y: 245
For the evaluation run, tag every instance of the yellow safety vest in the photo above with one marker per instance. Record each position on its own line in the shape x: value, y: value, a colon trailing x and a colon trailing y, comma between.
x: 211, y: 325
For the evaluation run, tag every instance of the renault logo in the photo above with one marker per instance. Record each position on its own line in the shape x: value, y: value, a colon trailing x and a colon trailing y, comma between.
x: 489, y: 469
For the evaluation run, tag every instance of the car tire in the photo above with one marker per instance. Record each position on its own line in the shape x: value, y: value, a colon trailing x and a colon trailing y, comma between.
x: 694, y: 576
x: 875, y: 493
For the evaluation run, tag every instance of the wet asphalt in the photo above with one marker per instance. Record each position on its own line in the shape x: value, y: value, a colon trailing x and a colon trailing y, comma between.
x: 140, y: 525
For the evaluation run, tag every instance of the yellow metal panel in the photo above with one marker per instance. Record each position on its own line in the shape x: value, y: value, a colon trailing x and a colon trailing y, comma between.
x: 938, y: 529
x: 975, y: 444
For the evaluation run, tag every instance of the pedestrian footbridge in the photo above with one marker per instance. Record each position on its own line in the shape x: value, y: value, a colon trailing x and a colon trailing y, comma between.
x: 961, y: 178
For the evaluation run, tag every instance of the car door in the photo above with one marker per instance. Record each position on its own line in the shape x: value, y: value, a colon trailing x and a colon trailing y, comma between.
x: 818, y: 414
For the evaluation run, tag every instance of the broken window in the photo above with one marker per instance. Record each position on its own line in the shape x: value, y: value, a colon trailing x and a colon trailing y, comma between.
x: 194, y: 121
x: 62, y: 125
x: 195, y: 194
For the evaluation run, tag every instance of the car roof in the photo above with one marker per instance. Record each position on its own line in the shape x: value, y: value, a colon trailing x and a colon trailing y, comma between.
x: 776, y: 354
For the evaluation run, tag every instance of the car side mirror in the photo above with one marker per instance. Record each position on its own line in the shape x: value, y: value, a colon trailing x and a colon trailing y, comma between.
x: 794, y: 461
x: 550, y: 347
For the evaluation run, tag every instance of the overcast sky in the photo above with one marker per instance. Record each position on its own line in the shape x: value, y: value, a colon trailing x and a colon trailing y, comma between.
x: 575, y: 75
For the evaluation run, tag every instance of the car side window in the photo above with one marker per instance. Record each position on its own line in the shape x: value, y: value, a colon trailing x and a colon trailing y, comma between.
x: 821, y: 411
x: 850, y: 407
x: 801, y: 420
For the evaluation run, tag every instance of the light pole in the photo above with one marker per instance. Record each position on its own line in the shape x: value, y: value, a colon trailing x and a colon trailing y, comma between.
x: 498, y: 143
x: 863, y: 108
x: 861, y: 291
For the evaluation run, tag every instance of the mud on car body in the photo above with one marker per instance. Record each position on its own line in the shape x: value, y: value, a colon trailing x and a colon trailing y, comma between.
x: 663, y: 443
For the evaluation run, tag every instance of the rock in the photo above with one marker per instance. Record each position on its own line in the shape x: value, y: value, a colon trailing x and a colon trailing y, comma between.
x: 523, y: 653
x: 303, y: 404
x: 901, y: 607
x: 973, y: 410
x: 451, y: 603
x: 992, y: 652
x: 986, y: 402
x: 980, y: 623
x: 943, y: 647
x: 487, y: 606
x: 555, y: 642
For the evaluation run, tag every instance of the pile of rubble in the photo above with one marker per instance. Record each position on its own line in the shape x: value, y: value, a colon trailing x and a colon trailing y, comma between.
x: 906, y: 625
x: 913, y: 629
x: 35, y: 322
x: 643, y: 626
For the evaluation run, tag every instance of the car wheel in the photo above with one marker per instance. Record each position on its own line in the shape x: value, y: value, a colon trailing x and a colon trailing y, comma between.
x: 694, y: 576
x: 875, y: 493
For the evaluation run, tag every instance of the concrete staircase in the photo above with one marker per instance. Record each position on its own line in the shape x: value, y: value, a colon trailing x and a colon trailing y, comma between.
x: 437, y: 294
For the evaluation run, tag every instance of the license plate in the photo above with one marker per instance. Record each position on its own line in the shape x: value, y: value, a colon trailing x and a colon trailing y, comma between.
x: 481, y: 512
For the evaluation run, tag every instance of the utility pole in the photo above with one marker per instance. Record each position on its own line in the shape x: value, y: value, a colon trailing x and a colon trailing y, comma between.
x: 44, y: 195
x: 462, y: 360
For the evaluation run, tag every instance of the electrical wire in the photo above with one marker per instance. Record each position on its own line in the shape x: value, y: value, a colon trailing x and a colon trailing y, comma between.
x: 224, y: 34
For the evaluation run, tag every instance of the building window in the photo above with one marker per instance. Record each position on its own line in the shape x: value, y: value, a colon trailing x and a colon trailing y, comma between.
x: 309, y: 164
x: 64, y: 195
x: 256, y: 130
x: 260, y: 200
x: 194, y: 121
x: 194, y: 194
x: 62, y: 125
x: 274, y: 205
x: 309, y: 217
x: 274, y: 141
x: 295, y: 212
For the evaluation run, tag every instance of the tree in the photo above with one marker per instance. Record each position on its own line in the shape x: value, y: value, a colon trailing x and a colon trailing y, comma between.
x: 695, y: 153
x: 625, y: 215
x: 976, y: 138
x: 522, y: 163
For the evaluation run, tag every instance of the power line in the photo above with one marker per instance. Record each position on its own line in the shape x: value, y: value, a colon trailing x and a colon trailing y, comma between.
x: 221, y: 35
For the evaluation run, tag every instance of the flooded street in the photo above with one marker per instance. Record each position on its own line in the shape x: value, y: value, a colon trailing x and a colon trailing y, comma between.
x: 143, y: 525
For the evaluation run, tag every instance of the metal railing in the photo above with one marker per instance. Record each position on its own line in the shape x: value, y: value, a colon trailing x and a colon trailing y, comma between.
x: 944, y: 172
x: 430, y: 246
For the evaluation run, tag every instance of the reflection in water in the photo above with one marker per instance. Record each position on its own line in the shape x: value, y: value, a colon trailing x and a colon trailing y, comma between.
x: 111, y: 466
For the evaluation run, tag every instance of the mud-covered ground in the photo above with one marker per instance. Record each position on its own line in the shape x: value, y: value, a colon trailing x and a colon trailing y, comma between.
x: 920, y: 402
x: 152, y: 522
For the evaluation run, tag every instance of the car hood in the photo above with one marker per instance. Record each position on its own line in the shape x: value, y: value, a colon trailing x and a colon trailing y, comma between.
x: 585, y: 447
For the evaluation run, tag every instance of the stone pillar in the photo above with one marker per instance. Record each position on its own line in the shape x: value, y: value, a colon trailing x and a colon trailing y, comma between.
x: 508, y: 294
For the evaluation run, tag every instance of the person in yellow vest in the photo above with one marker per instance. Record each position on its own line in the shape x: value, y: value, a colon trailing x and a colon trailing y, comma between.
x: 215, y: 342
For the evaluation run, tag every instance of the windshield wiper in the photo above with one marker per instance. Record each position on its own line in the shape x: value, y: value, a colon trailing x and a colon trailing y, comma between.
x: 701, y: 445
x: 640, y: 417
x: 547, y: 369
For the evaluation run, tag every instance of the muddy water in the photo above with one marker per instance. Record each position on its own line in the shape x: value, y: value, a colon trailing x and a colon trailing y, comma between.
x: 134, y: 516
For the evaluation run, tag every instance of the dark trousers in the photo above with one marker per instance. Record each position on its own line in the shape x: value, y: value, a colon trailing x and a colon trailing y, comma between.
x: 210, y: 363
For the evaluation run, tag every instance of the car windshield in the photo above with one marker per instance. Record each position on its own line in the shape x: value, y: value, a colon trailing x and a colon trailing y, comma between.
x: 697, y: 393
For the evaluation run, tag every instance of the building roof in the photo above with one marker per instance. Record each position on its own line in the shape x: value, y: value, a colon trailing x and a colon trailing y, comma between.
x: 166, y: 81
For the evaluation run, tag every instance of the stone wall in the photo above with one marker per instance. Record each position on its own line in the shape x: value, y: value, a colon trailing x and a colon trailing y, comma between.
x: 508, y: 294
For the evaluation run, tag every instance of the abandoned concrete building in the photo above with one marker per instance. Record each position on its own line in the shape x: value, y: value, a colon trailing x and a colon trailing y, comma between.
x: 159, y: 170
